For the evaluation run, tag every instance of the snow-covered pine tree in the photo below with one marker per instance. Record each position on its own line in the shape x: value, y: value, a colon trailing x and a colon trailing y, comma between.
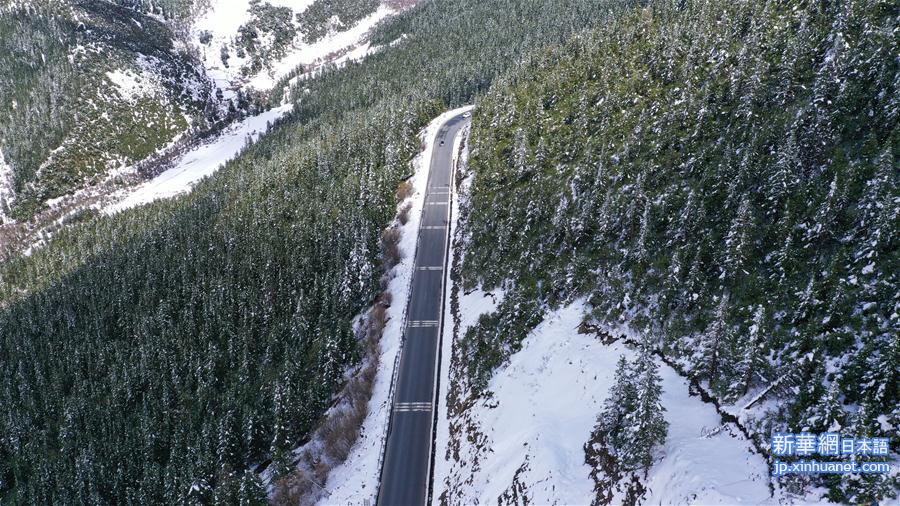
x: 882, y: 378
x: 279, y: 448
x: 783, y: 180
x: 645, y: 426
x: 620, y: 402
x: 711, y: 343
x: 753, y: 347
x: 252, y: 492
x: 738, y: 241
x: 229, y: 442
x: 828, y: 415
x: 866, y: 488
x: 640, y: 246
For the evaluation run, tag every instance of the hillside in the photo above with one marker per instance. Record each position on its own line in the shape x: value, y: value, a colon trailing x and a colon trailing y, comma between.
x: 674, y: 233
x: 216, y: 69
x: 720, y: 179
x: 169, y: 351
x: 88, y: 88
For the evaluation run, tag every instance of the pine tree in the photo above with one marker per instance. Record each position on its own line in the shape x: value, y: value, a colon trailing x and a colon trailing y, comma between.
x: 738, y: 242
x: 251, y: 491
x: 712, y: 341
x: 753, y: 346
x: 645, y: 427
x: 641, y: 245
x: 881, y: 380
x: 620, y: 402
x: 829, y: 416
x: 279, y: 447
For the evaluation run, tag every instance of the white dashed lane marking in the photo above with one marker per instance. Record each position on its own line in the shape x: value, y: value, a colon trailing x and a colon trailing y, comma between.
x: 423, y: 323
x: 413, y: 406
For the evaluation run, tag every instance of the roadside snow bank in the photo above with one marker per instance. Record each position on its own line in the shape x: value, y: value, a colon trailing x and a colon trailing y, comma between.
x: 6, y: 187
x: 200, y: 162
x: 356, y: 480
x: 543, y: 406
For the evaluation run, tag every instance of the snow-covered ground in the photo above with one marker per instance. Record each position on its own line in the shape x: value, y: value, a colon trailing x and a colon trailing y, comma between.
x: 221, y: 23
x: 6, y: 189
x: 544, y: 406
x: 532, y: 429
x: 356, y: 480
x: 305, y: 54
x: 141, y: 81
x: 200, y: 162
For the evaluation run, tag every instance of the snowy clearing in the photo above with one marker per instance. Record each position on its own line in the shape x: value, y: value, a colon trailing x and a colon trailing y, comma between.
x: 305, y: 54
x: 200, y: 162
x: 357, y: 478
x: 222, y: 21
x: 132, y: 85
x: 544, y: 406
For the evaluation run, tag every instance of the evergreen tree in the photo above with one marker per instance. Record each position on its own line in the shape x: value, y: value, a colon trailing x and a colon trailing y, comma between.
x: 738, y: 242
x: 713, y: 342
x: 752, y: 352
x: 621, y: 401
x: 645, y: 427
x: 830, y: 416
x: 251, y: 491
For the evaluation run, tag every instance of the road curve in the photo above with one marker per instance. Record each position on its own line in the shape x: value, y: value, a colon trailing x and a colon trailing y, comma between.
x: 406, y: 471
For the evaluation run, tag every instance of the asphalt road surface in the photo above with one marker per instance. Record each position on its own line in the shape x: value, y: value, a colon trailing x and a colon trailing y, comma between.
x: 406, y: 471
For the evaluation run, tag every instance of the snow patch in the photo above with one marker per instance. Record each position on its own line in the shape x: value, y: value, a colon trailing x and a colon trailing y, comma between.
x: 200, y: 162
x: 126, y: 82
x: 356, y: 479
x: 132, y: 84
x: 305, y: 54
x: 224, y: 17
x: 6, y: 188
x: 220, y: 22
x: 219, y: 25
x: 544, y: 407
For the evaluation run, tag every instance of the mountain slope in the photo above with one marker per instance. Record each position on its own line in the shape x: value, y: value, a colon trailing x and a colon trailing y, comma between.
x: 720, y: 177
x: 172, y: 350
x: 88, y: 87
x: 133, y: 87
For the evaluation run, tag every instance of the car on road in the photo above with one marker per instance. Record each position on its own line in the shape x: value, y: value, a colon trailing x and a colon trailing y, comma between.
x: 467, y: 115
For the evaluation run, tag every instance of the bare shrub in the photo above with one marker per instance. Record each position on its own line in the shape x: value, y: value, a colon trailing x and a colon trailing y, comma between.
x: 360, y: 390
x: 404, y: 190
x: 390, y: 244
x: 291, y: 489
x: 339, y: 434
x: 403, y: 215
x: 377, y: 321
x: 320, y: 471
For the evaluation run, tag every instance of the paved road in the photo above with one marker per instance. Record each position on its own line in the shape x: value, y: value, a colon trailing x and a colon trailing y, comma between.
x: 406, y: 472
